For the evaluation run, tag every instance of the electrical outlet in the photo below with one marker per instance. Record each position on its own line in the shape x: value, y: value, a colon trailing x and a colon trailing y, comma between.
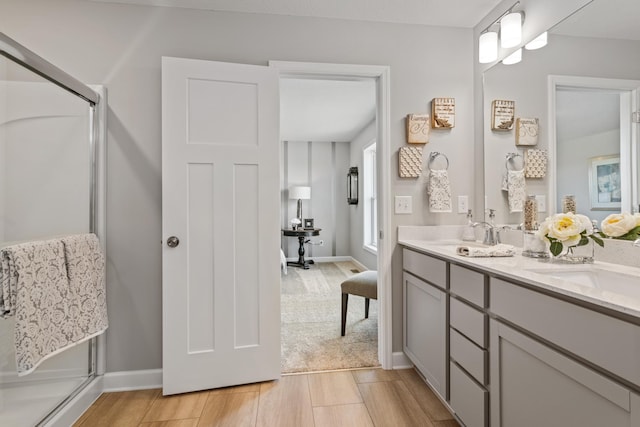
x: 404, y: 205
x: 541, y: 200
x: 463, y: 204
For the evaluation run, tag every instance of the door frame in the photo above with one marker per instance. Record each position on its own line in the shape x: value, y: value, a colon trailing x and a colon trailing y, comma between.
x: 381, y: 74
x: 629, y: 93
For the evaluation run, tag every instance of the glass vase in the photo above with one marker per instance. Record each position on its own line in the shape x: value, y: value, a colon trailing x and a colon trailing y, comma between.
x: 532, y: 246
x: 574, y: 254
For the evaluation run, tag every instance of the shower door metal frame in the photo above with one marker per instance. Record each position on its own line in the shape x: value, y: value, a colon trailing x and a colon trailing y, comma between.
x: 21, y: 55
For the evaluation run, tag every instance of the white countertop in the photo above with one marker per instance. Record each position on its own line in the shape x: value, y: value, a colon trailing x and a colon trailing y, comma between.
x: 517, y: 268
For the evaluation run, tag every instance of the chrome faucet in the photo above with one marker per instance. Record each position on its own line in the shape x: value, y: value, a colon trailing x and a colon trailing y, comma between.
x: 491, y: 235
x: 636, y: 243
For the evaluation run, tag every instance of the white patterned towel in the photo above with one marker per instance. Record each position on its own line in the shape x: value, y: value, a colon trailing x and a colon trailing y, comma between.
x: 86, y: 270
x: 59, y: 296
x: 500, y: 250
x: 439, y: 191
x: 516, y: 190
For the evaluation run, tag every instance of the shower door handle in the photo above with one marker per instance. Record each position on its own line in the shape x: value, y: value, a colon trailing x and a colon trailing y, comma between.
x: 173, y: 241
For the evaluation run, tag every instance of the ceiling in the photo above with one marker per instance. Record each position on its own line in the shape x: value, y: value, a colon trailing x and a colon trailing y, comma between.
x: 449, y: 13
x: 325, y: 110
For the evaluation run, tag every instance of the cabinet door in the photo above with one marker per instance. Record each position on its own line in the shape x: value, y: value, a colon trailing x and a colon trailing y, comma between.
x: 425, y: 330
x: 533, y: 385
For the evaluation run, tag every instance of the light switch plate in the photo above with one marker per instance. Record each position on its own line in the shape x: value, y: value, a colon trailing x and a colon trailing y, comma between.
x: 541, y: 200
x: 463, y: 204
x: 403, y: 205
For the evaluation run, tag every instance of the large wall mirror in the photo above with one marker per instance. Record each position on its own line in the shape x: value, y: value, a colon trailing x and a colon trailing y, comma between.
x: 582, y: 87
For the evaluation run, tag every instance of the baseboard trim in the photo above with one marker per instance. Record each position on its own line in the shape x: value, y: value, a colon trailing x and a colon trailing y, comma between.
x: 358, y: 264
x: 325, y: 258
x: 133, y: 380
x: 400, y: 360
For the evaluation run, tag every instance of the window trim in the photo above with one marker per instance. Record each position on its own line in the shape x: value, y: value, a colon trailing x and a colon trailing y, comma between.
x: 369, y: 195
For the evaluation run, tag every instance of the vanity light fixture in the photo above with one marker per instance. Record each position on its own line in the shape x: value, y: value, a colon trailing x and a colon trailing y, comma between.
x: 514, y: 58
x: 510, y: 23
x: 488, y: 48
x: 538, y: 42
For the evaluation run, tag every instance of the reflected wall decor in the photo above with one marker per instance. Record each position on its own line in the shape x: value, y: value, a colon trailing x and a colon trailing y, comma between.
x: 604, y: 183
x: 352, y: 186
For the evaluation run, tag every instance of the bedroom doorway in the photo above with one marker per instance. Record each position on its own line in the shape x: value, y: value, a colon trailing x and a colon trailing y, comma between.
x: 349, y: 240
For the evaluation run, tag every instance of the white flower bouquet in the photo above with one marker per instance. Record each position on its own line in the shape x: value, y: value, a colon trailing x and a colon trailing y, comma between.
x: 566, y: 231
x: 623, y: 226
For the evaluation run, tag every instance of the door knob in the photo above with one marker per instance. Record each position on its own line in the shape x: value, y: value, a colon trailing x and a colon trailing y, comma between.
x: 173, y: 241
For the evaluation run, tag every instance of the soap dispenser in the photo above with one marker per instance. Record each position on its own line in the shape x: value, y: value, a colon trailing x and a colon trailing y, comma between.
x: 469, y: 231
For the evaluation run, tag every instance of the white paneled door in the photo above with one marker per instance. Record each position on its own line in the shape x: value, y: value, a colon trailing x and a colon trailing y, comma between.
x: 220, y: 226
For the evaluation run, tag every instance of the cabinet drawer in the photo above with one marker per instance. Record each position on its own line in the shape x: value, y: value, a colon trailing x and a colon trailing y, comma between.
x: 468, y: 355
x: 432, y: 270
x: 605, y: 341
x: 467, y: 284
x: 468, y: 400
x: 469, y: 321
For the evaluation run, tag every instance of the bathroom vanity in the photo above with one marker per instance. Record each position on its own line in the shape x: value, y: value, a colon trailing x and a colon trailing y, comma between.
x: 521, y: 342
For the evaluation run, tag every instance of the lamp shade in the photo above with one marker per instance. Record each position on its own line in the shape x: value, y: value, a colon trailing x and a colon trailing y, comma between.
x: 511, y: 30
x: 514, y: 58
x: 300, y: 193
x: 538, y: 42
x: 488, y: 47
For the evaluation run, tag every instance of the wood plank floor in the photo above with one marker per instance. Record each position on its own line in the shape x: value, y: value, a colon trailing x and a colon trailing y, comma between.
x: 367, y: 398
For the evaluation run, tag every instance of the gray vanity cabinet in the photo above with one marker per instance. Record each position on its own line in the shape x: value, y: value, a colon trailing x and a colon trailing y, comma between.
x: 425, y: 317
x: 533, y: 385
x: 507, y: 353
x: 553, y: 362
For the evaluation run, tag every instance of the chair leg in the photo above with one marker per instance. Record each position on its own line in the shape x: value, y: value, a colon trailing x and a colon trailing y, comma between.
x: 366, y: 308
x: 345, y: 301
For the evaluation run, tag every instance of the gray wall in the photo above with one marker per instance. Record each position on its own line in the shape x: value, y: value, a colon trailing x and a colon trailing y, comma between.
x: 573, y: 177
x: 321, y: 166
x: 120, y: 46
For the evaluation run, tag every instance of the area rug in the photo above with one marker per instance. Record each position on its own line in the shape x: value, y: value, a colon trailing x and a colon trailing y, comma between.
x: 311, y: 310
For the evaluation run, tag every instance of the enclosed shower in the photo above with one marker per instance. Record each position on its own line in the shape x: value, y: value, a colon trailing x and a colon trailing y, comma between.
x: 51, y: 184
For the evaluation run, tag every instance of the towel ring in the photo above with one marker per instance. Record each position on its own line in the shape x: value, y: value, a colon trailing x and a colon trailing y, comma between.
x: 510, y: 157
x: 433, y: 155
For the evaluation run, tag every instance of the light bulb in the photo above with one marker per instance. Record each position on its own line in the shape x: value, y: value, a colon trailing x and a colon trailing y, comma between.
x: 511, y: 30
x: 538, y: 42
x: 488, y: 47
x: 514, y: 58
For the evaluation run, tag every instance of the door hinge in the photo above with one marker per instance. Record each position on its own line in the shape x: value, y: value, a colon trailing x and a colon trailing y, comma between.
x: 635, y: 117
x: 380, y: 235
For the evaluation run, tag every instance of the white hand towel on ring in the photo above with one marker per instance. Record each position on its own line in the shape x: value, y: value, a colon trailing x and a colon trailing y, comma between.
x: 516, y: 190
x: 439, y: 191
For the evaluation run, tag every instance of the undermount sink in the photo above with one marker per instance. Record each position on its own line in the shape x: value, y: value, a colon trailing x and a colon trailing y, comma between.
x: 594, y: 277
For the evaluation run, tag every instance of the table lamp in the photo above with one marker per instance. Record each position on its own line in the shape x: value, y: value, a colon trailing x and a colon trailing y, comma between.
x: 300, y: 193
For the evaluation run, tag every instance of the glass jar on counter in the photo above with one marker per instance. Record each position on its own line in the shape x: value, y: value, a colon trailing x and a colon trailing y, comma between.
x: 530, y: 211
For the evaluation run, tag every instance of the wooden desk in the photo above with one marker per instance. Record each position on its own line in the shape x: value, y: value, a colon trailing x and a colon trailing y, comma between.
x: 301, y: 234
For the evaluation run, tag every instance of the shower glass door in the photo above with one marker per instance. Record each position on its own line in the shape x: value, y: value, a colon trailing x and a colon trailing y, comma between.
x: 45, y: 191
